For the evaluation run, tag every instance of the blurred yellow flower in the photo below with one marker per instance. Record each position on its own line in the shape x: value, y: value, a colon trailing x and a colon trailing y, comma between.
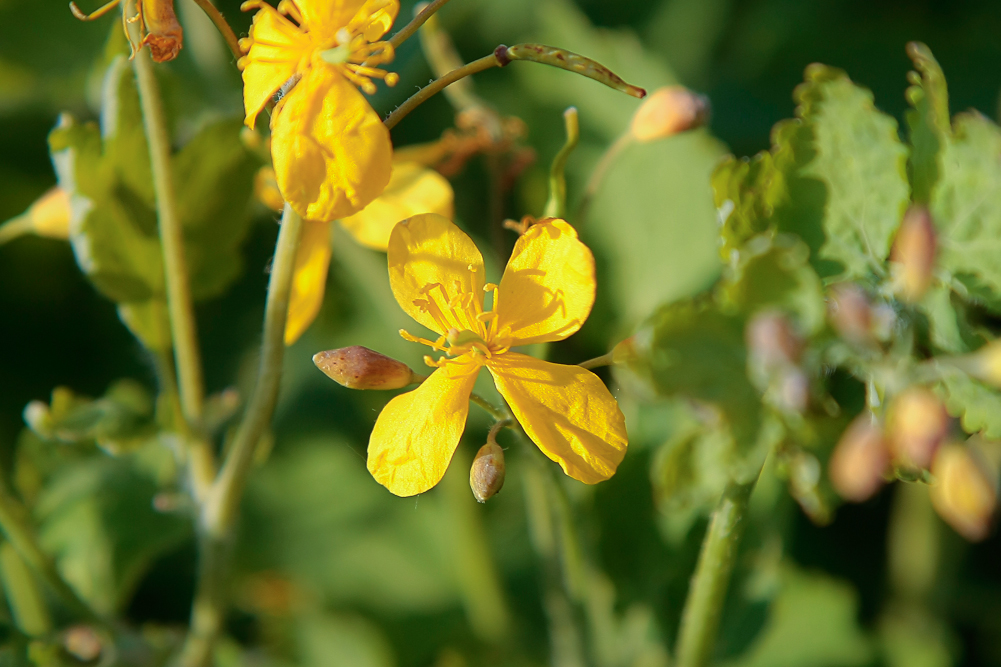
x: 330, y: 150
x: 545, y: 294
x: 412, y: 189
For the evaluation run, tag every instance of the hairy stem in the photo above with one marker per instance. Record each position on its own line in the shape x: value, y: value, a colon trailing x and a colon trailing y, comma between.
x: 222, y: 26
x: 219, y: 511
x: 606, y: 359
x: 179, y: 305
x: 437, y: 85
x: 704, y: 606
x: 495, y: 412
x: 408, y: 30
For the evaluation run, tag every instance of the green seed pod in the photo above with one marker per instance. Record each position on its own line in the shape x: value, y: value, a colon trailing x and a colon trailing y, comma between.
x: 486, y: 476
x: 358, y: 367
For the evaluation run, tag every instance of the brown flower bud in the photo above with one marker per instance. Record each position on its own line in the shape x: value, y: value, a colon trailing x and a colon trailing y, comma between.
x: 772, y: 340
x: 83, y: 643
x: 163, y: 32
x: 916, y: 425
x: 859, y: 461
x: 669, y: 111
x: 851, y: 314
x: 963, y: 494
x: 913, y: 254
x: 486, y: 475
x: 358, y: 367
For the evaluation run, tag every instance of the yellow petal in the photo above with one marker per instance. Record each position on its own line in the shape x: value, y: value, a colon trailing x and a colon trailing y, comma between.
x: 426, y: 250
x: 310, y: 280
x: 547, y: 289
x: 417, y: 432
x: 278, y: 48
x: 375, y: 18
x: 412, y: 189
x: 331, y: 151
x: 567, y: 411
x: 323, y: 18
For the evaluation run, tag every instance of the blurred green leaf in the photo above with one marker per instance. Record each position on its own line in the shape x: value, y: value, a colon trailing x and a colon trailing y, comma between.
x: 946, y: 326
x: 24, y: 595
x: 114, y: 229
x: 341, y: 641
x: 746, y: 193
x: 845, y: 171
x: 977, y: 406
x: 812, y: 624
x: 927, y: 120
x: 776, y: 273
x: 669, y: 356
x: 96, y: 516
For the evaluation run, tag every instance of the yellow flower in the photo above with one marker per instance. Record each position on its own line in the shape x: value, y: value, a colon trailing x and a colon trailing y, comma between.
x: 545, y: 294
x: 412, y: 189
x: 331, y: 151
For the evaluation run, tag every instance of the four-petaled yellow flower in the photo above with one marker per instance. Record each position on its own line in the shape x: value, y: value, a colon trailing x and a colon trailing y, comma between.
x: 331, y: 151
x: 545, y: 294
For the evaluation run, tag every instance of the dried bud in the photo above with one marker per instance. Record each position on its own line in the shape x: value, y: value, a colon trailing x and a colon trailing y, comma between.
x: 859, y: 461
x: 850, y: 314
x: 358, y: 367
x: 916, y: 424
x: 667, y: 112
x: 83, y: 643
x: 163, y: 33
x: 486, y: 476
x: 266, y: 189
x: 913, y: 254
x: 772, y: 341
x: 963, y: 494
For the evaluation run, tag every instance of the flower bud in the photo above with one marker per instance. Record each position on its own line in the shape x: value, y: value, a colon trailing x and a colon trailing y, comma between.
x: 963, y: 494
x: 486, y: 475
x: 669, y: 111
x: 913, y: 254
x: 83, y: 643
x: 772, y: 341
x: 850, y: 314
x: 358, y: 367
x: 859, y: 461
x: 163, y: 33
x: 50, y: 214
x: 916, y: 425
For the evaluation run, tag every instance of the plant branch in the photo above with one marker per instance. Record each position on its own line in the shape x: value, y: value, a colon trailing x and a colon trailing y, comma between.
x: 179, y: 304
x: 222, y: 26
x: 606, y: 359
x: 495, y: 412
x: 408, y: 30
x: 704, y: 605
x: 219, y: 511
x: 437, y: 85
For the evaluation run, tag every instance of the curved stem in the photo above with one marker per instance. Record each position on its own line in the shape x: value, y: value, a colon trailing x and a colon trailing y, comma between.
x: 556, y: 206
x: 704, y: 605
x: 408, y: 30
x: 437, y: 85
x: 16, y: 227
x: 179, y: 305
x: 495, y: 412
x: 222, y: 26
x: 219, y: 511
x: 606, y: 359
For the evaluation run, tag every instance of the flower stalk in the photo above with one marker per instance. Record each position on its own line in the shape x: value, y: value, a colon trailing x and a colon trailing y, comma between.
x: 179, y: 303
x: 218, y: 517
x: 408, y: 30
x: 556, y: 206
x: 704, y: 605
x: 222, y: 26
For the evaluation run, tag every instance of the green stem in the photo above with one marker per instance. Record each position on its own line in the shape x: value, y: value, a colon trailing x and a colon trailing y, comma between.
x: 22, y: 538
x: 222, y: 26
x: 556, y: 206
x: 437, y: 85
x: 704, y: 606
x: 604, y: 360
x: 179, y: 305
x: 219, y: 511
x: 495, y: 412
x: 15, y: 227
x: 412, y: 27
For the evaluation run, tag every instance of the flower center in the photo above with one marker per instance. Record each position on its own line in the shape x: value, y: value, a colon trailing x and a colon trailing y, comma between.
x: 459, y: 312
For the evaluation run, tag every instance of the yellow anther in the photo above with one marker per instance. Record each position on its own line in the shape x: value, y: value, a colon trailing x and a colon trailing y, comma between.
x: 489, y: 287
x: 486, y: 317
x: 429, y: 361
x: 392, y: 78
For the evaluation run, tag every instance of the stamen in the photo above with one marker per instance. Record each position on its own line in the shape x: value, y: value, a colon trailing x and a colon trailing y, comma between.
x: 289, y: 8
x: 489, y: 287
x: 486, y: 317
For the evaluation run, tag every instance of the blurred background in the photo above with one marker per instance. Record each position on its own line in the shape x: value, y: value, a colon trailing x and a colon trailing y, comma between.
x: 332, y: 569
